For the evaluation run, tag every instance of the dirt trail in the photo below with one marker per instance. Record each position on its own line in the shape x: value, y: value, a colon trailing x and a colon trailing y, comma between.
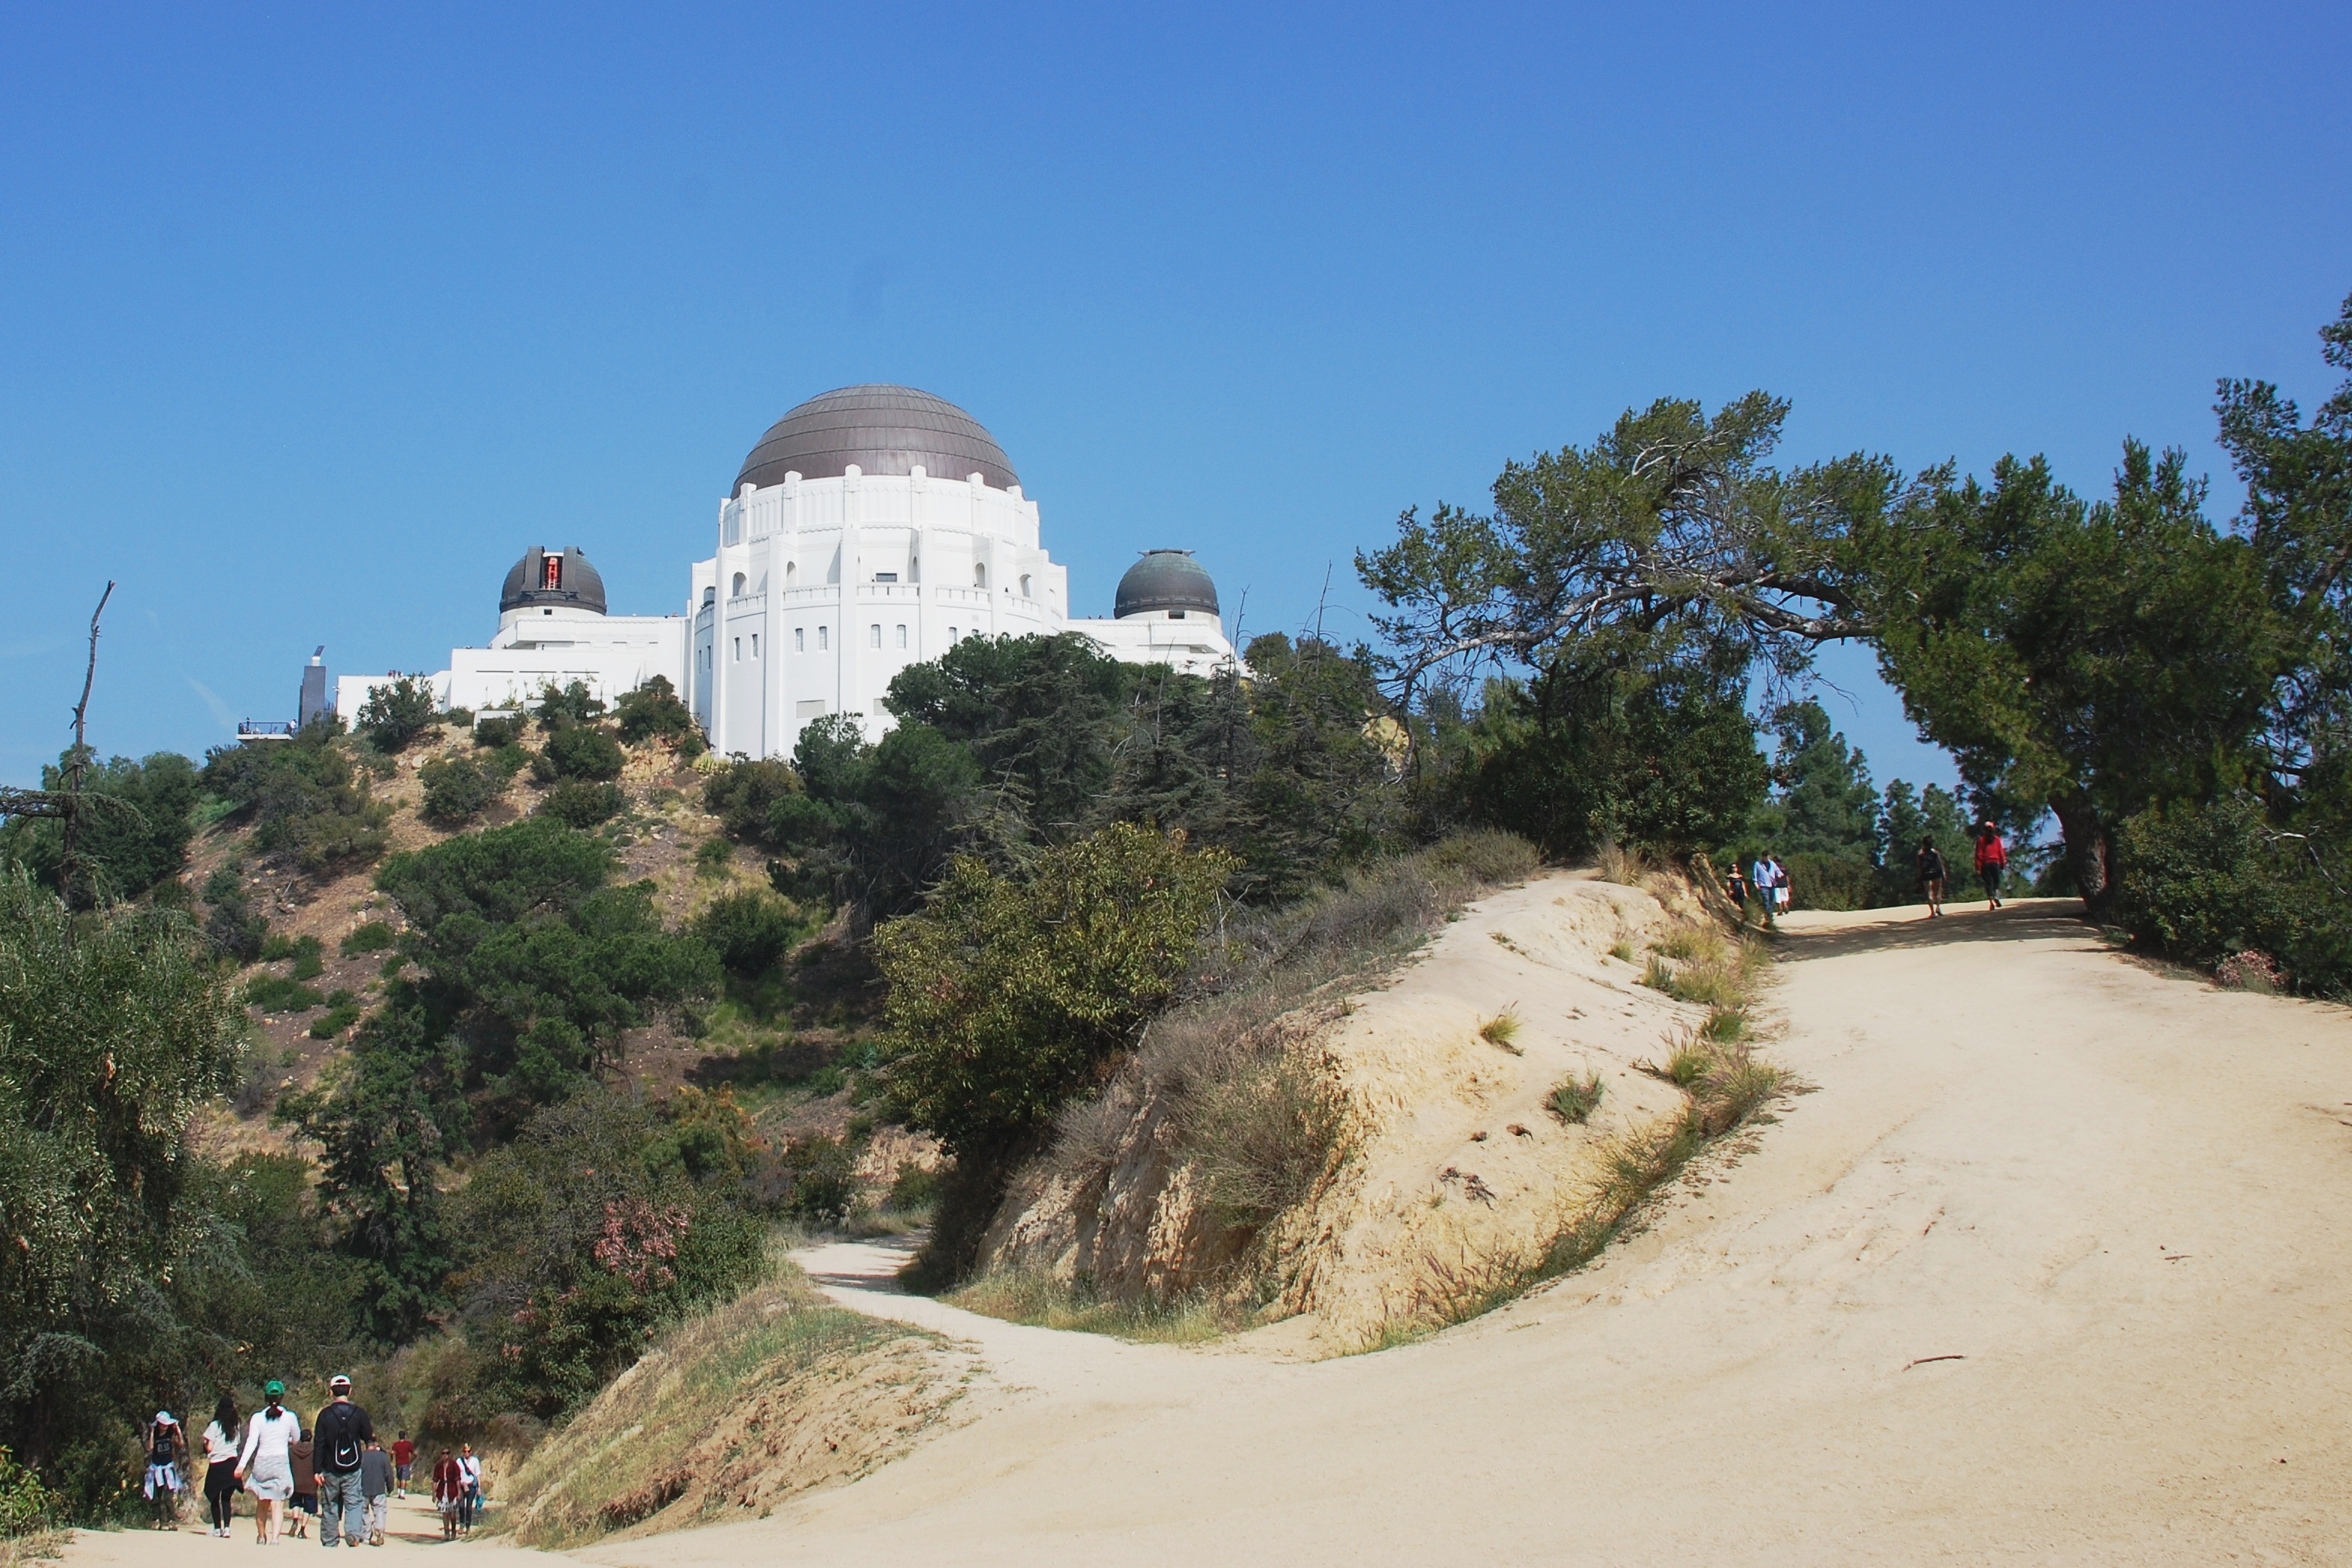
x: 2124, y: 1198
x: 2052, y: 1266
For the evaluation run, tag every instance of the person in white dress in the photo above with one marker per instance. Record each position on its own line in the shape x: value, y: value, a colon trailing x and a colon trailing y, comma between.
x: 265, y: 1466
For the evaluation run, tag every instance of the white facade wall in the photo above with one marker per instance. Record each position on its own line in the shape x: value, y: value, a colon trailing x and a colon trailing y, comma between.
x: 822, y: 590
x: 1191, y: 642
x: 539, y: 645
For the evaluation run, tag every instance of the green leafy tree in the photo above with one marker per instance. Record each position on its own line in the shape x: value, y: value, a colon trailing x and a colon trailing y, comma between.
x: 581, y: 751
x: 302, y: 797
x: 455, y: 791
x: 115, y: 1030
x: 1905, y: 817
x: 653, y: 712
x: 132, y: 836
x: 397, y: 711
x: 2094, y: 658
x: 1008, y: 995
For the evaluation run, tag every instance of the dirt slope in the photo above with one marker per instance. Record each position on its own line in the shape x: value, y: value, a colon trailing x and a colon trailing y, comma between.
x: 2124, y: 1199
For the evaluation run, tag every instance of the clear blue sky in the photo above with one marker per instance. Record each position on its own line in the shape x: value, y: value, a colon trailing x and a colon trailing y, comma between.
x: 312, y: 319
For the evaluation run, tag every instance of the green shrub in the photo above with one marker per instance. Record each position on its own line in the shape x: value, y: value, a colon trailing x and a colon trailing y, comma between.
x: 233, y: 929
x: 1831, y: 882
x: 307, y: 951
x: 26, y: 1505
x: 572, y: 704
x: 2205, y: 883
x: 456, y: 790
x: 493, y: 733
x: 712, y: 857
x: 343, y: 1010
x: 581, y: 751
x: 578, y: 803
x: 370, y: 936
x: 275, y: 994
x: 744, y: 795
x: 749, y: 930
x: 653, y: 712
x: 303, y: 797
x: 824, y: 1173
x: 397, y: 711
x: 914, y: 1190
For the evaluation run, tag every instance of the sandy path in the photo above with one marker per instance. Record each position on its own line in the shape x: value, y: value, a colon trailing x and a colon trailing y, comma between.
x: 2124, y: 1199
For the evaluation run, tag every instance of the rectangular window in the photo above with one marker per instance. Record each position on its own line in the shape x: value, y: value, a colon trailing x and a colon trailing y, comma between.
x: 902, y: 636
x: 551, y: 571
x: 810, y: 708
x: 886, y: 576
x: 800, y: 639
x: 873, y: 636
x: 823, y: 641
x: 755, y: 645
x: 951, y: 635
x: 739, y: 651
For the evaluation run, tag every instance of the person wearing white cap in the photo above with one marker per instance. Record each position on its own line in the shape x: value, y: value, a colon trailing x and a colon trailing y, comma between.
x: 340, y: 1439
x: 167, y: 1448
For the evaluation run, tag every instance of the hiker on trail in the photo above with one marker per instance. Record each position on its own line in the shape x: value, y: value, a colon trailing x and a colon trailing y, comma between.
x: 1735, y: 886
x: 265, y: 1464
x: 1992, y: 859
x: 448, y: 1492
x: 305, y: 1484
x: 167, y: 1455
x: 220, y: 1465
x: 344, y: 1433
x: 375, y: 1487
x: 1759, y: 877
x: 1932, y: 872
x: 1780, y: 898
x: 404, y: 1462
x: 469, y: 1469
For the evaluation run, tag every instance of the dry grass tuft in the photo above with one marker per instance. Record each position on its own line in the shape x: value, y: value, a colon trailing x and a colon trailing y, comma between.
x: 1576, y: 1099
x: 1501, y: 1030
x: 1626, y: 867
x: 32, y: 1546
x: 1042, y: 1301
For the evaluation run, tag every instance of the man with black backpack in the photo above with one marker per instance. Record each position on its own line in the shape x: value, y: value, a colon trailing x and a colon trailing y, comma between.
x: 339, y: 1442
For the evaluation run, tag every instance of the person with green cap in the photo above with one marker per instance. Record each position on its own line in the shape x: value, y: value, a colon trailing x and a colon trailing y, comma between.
x: 340, y: 1439
x: 266, y: 1466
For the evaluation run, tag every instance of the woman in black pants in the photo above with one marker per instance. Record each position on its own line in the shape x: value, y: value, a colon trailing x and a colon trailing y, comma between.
x: 220, y: 1441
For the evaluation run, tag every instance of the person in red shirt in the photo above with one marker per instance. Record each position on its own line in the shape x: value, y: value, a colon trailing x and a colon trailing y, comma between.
x: 1992, y: 859
x: 403, y: 1461
x: 448, y: 1492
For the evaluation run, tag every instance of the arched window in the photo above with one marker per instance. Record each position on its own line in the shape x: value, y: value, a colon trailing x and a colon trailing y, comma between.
x: 874, y: 635
x: 902, y: 636
x: 738, y: 584
x: 711, y: 596
x: 791, y: 570
x: 979, y: 573
x: 1024, y: 585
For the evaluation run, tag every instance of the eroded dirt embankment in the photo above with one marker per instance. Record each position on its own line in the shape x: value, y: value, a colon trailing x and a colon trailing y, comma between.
x: 1452, y: 1157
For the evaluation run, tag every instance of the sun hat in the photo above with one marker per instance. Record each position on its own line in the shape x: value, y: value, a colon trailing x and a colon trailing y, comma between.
x: 164, y: 1417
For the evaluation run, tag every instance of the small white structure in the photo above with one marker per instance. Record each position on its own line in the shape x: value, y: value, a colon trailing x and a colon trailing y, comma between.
x: 553, y: 631
x: 870, y: 528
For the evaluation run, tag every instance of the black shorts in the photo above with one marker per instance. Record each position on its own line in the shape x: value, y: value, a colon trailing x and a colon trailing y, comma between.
x: 1991, y: 875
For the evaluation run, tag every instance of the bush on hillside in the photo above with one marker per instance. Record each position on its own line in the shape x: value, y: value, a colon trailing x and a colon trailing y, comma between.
x: 455, y: 791
x: 397, y: 711
x: 490, y: 735
x: 581, y: 803
x: 560, y: 706
x: 303, y: 798
x: 748, y: 931
x: 653, y: 712
x: 745, y: 795
x: 579, y: 752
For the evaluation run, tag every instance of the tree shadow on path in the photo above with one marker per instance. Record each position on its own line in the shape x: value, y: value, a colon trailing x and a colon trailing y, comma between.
x: 1908, y: 928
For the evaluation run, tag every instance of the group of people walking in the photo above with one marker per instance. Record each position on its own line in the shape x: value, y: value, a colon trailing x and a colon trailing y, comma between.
x: 1766, y: 881
x: 1992, y: 864
x: 335, y: 1471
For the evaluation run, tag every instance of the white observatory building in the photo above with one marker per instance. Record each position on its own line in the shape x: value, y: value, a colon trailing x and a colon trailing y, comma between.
x: 870, y: 528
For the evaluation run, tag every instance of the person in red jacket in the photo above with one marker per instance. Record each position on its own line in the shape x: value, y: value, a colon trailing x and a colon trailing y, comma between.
x: 1992, y: 859
x: 448, y: 1492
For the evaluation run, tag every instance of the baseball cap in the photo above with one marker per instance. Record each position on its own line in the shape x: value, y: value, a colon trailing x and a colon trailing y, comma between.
x: 339, y: 1380
x: 273, y: 1389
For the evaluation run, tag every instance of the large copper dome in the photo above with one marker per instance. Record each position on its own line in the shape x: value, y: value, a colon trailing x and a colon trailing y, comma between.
x: 882, y: 429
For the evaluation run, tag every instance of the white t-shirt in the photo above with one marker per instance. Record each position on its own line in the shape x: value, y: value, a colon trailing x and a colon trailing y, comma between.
x: 220, y: 1448
x: 470, y: 1469
x: 265, y: 1437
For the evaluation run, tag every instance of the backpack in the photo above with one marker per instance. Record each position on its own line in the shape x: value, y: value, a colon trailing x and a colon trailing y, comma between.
x: 342, y: 1448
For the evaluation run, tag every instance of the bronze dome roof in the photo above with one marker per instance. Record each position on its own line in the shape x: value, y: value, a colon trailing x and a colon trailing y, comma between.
x: 882, y: 429
x: 1165, y: 580
x: 572, y: 584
